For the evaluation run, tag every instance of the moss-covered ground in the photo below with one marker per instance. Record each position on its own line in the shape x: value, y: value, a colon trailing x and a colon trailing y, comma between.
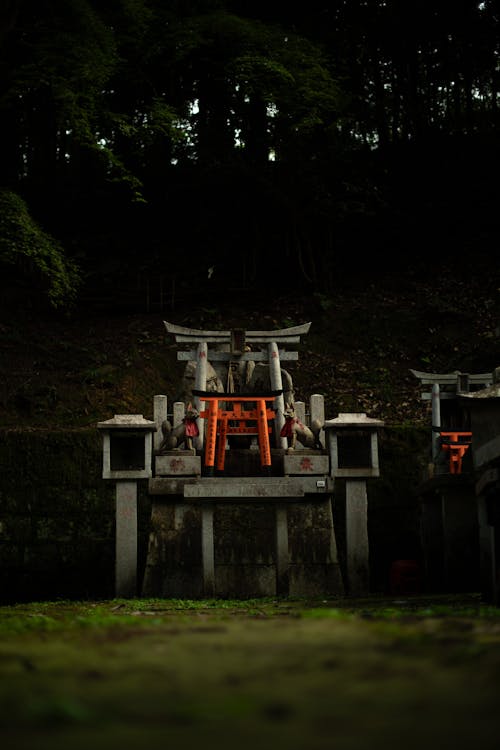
x: 374, y: 673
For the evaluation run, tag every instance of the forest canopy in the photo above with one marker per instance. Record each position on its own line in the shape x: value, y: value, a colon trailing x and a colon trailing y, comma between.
x: 271, y: 144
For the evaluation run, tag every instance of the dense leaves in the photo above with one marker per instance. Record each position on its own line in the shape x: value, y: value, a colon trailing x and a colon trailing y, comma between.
x: 257, y: 140
x: 24, y: 245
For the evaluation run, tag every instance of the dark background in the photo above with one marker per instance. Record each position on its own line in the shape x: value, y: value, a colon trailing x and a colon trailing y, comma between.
x: 279, y: 147
x: 229, y: 164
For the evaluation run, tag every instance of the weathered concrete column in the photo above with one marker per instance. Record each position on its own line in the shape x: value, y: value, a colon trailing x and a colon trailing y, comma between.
x: 179, y: 412
x: 317, y: 412
x: 200, y: 384
x: 207, y: 548
x: 160, y: 413
x: 460, y: 538
x: 436, y: 422
x: 358, y: 568
x: 126, y: 539
x: 282, y: 553
x: 277, y: 385
x: 431, y: 537
x: 300, y: 411
x: 487, y: 554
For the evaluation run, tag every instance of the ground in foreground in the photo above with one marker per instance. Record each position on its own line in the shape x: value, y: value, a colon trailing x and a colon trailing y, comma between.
x: 304, y: 674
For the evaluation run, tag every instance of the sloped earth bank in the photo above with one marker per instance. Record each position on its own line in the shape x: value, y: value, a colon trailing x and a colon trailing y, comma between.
x: 77, y: 368
x: 268, y: 673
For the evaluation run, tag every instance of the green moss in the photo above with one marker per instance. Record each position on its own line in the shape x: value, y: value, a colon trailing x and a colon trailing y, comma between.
x: 256, y: 672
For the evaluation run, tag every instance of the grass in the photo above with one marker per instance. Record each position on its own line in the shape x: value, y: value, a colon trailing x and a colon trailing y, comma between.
x: 251, y: 673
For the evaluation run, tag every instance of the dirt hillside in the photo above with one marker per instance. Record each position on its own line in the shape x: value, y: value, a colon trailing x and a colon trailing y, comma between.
x: 73, y: 369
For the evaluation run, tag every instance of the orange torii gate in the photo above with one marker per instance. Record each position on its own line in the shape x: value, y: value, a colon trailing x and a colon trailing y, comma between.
x: 221, y: 419
x: 456, y: 445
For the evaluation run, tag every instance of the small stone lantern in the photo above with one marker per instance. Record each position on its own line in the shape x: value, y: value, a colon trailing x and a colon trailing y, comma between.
x: 127, y: 447
x: 127, y: 456
x: 352, y: 443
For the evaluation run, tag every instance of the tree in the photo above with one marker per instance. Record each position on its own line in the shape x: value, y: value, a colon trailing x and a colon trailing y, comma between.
x: 34, y: 254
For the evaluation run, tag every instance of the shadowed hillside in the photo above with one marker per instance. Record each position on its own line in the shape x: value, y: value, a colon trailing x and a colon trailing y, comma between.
x: 76, y: 368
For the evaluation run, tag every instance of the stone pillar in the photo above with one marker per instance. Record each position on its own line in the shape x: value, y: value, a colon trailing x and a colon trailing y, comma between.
x: 207, y: 548
x: 179, y: 411
x: 282, y: 553
x: 126, y: 539
x: 436, y: 423
x: 200, y: 384
x: 160, y: 408
x: 487, y: 554
x: 358, y: 569
x: 300, y: 413
x: 431, y: 537
x: 277, y: 385
x: 460, y: 538
x: 317, y: 412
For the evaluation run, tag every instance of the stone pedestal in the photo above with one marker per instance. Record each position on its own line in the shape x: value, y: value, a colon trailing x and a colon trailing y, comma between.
x: 126, y: 539
x: 358, y: 563
x: 242, y: 536
x: 449, y: 534
x: 178, y: 463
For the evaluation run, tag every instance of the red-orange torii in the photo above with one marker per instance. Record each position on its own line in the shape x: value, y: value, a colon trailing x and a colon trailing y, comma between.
x: 228, y: 407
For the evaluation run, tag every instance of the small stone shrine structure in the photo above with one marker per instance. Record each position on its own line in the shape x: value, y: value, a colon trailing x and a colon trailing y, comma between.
x: 448, y: 512
x: 242, y: 477
x: 353, y: 448
x: 483, y: 407
x: 127, y: 453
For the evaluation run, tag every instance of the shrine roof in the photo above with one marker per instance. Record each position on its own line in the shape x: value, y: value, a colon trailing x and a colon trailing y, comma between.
x: 184, y: 334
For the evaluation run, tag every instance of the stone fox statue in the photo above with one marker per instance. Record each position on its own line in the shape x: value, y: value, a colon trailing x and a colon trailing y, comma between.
x: 174, y: 437
x: 294, y: 430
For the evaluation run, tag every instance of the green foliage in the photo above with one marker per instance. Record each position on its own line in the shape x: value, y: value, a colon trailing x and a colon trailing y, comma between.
x: 25, y: 245
x: 185, y: 105
x: 70, y: 57
x: 233, y: 64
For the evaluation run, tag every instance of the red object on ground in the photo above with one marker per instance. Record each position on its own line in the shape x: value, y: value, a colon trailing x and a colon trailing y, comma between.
x: 405, y: 577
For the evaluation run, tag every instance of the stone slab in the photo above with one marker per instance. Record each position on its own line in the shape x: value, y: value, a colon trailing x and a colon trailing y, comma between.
x: 179, y: 463
x: 279, y: 487
x: 306, y: 464
x: 227, y: 488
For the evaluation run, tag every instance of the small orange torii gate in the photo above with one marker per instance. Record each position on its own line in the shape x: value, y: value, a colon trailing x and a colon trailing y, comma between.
x: 254, y: 420
x: 449, y: 433
x: 456, y: 445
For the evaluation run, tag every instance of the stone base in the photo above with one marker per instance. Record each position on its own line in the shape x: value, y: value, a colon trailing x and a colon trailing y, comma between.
x: 253, y: 544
